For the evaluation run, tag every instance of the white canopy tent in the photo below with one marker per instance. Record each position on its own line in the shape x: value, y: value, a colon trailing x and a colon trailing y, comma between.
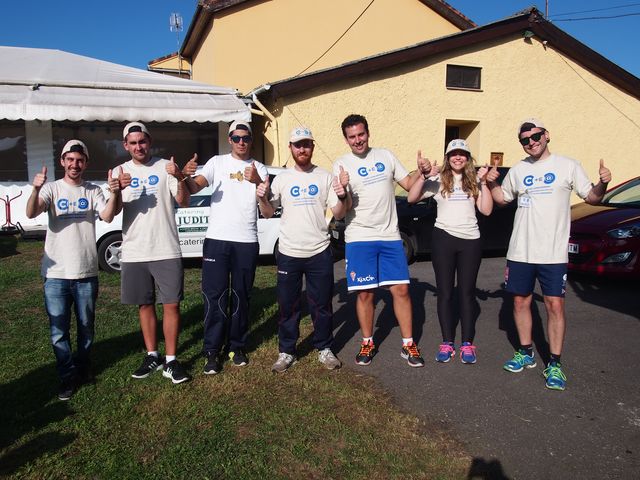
x: 42, y: 84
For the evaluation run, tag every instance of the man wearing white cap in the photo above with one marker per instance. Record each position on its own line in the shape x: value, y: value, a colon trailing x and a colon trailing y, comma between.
x: 70, y: 261
x: 538, y: 249
x: 230, y: 251
x: 305, y: 191
x: 151, y: 258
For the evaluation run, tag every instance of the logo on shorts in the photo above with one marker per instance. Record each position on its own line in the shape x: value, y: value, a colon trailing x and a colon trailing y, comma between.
x: 352, y: 274
x: 368, y: 278
x: 506, y: 275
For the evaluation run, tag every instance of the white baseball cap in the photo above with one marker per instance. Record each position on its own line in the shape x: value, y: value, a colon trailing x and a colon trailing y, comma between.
x: 239, y: 125
x: 458, y: 144
x: 134, y: 127
x: 529, y: 123
x: 300, y: 133
x: 75, y: 146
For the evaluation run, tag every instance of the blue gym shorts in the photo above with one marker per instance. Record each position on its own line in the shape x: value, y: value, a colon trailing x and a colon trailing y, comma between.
x: 520, y: 278
x: 375, y: 263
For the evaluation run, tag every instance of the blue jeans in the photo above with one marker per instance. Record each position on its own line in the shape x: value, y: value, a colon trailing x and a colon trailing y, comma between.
x: 59, y: 295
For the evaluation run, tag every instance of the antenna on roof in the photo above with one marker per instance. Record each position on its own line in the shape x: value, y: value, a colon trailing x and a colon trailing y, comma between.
x: 175, y: 25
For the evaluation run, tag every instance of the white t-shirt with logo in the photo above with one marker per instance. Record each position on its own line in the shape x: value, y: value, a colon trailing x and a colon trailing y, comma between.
x: 70, y: 246
x: 234, y: 206
x: 149, y: 231
x: 542, y: 189
x: 456, y: 211
x: 372, y: 181
x: 304, y: 197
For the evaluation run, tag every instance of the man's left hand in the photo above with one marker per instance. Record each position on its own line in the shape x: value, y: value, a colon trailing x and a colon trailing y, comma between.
x: 604, y: 172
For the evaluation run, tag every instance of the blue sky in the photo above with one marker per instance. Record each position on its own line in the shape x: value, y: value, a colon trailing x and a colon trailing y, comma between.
x: 133, y: 32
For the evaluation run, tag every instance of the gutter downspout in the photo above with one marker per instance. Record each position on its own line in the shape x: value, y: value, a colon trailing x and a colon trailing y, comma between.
x: 263, y: 111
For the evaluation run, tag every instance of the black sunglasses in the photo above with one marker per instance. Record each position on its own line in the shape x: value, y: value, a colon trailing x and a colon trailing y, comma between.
x: 535, y: 137
x: 238, y: 138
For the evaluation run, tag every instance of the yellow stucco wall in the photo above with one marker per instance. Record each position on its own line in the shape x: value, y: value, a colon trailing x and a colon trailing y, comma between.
x: 281, y: 39
x: 408, y: 107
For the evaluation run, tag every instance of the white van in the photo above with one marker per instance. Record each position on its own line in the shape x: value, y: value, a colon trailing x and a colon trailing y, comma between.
x: 192, y: 223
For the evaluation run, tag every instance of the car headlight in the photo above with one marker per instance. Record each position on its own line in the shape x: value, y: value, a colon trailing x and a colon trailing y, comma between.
x: 628, y: 231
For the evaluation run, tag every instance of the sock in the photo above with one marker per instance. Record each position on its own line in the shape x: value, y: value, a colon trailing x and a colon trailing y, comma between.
x: 170, y: 358
x: 367, y: 339
x: 554, y: 360
x: 527, y: 349
x: 407, y: 341
x: 153, y: 353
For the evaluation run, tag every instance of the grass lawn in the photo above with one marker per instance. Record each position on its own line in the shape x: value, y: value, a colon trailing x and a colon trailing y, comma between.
x: 244, y: 423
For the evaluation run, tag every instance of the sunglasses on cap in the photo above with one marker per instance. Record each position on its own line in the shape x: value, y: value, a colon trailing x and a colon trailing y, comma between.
x: 535, y: 137
x: 239, y: 138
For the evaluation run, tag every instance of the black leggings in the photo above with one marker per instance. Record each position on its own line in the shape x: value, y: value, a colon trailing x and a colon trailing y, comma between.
x: 449, y: 255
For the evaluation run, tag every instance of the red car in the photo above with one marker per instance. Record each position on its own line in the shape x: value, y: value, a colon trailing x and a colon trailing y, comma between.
x: 605, y: 239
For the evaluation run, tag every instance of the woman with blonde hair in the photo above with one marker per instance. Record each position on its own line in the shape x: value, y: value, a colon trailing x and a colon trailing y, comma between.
x: 455, y: 243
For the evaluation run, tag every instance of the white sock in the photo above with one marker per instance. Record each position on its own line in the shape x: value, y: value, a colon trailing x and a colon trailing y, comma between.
x: 170, y: 358
x: 406, y: 341
x: 367, y: 339
x: 153, y: 353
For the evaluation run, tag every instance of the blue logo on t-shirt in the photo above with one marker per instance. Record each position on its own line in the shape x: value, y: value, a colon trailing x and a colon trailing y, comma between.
x: 83, y: 204
x: 295, y: 191
x: 313, y: 189
x: 549, y: 178
x: 63, y: 204
x: 380, y: 167
x: 153, y: 179
x: 528, y: 180
x: 135, y: 182
x: 362, y: 171
x: 377, y: 168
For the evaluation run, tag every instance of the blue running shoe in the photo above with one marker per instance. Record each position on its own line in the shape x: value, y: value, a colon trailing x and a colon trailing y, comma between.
x: 467, y: 353
x: 446, y: 352
x: 556, y: 379
x: 520, y: 361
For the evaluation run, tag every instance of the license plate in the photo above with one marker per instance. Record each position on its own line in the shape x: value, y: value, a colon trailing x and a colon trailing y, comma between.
x: 335, y: 235
x: 574, y: 248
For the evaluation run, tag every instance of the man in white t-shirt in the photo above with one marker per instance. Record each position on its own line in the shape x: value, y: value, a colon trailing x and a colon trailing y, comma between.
x: 151, y: 258
x: 70, y: 261
x: 230, y: 251
x: 538, y: 249
x: 373, y: 252
x: 304, y: 192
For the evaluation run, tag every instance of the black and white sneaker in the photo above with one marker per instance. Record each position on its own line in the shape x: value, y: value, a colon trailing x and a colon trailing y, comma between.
x: 149, y: 365
x: 67, y: 389
x: 238, y: 358
x: 213, y: 364
x: 175, y: 371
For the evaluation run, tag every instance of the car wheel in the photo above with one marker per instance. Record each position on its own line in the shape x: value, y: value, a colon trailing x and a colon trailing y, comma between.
x: 407, y: 245
x: 109, y: 252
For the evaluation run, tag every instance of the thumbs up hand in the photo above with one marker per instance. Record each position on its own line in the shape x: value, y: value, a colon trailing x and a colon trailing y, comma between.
x: 191, y: 166
x: 251, y: 174
x: 424, y: 165
x: 435, y: 169
x: 604, y: 172
x: 172, y: 169
x: 482, y: 173
x: 493, y: 174
x: 40, y: 178
x: 262, y: 190
x: 113, y: 183
x: 343, y: 177
x: 123, y: 178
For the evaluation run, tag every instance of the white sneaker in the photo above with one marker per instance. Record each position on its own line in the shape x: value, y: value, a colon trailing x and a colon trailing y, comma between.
x: 328, y: 359
x: 283, y: 363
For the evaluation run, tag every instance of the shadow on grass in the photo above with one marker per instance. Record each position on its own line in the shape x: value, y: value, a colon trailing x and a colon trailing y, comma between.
x: 48, y: 443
